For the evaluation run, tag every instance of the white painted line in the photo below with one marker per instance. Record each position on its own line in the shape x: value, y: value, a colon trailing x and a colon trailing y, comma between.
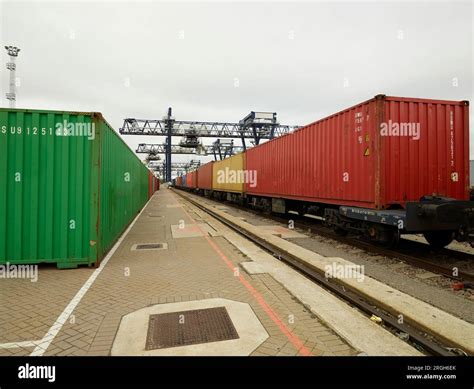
x: 41, y: 348
x: 26, y: 343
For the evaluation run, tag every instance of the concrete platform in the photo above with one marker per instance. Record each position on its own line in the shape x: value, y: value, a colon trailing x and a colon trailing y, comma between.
x: 192, y: 230
x: 280, y: 231
x: 444, y: 325
x: 364, y: 335
x: 80, y: 311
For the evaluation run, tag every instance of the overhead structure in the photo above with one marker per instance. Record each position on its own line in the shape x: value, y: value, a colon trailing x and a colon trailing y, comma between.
x: 201, y: 129
x: 255, y: 126
x: 190, y: 140
x: 220, y: 148
x: 11, y: 66
x: 178, y: 167
x: 151, y: 157
x: 225, y: 148
x: 262, y: 125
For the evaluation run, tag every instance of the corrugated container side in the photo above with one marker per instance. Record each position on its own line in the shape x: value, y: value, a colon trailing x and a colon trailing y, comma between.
x: 326, y: 161
x: 179, y: 181
x: 185, y: 178
x: 347, y: 159
x: 47, y: 189
x: 123, y: 186
x: 191, y: 179
x: 56, y: 189
x: 151, y: 184
x: 227, y: 174
x: 437, y: 162
x: 205, y: 176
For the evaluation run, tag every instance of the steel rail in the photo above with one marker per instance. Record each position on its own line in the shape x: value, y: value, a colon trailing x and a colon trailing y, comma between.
x: 416, y: 335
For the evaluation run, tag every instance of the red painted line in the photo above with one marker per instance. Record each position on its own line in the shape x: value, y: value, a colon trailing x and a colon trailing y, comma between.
x: 294, y: 339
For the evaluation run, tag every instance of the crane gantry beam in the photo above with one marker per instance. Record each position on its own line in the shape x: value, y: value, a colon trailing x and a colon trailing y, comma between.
x: 178, y: 167
x: 255, y: 126
x: 154, y: 149
x: 200, y: 129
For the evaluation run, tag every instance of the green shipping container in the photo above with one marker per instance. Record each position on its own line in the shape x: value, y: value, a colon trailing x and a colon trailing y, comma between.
x: 69, y: 187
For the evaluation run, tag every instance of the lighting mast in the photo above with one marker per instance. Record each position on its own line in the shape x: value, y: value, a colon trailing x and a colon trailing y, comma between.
x: 13, y: 53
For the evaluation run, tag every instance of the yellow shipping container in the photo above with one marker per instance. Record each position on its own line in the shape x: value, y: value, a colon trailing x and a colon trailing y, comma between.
x: 227, y: 175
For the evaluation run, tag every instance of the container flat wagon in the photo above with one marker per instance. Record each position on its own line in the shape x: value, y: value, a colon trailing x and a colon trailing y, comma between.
x: 69, y: 187
x: 385, y: 167
x: 401, y: 163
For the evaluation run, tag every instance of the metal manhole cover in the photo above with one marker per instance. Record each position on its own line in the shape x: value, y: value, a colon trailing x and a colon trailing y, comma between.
x: 189, y: 327
x: 150, y: 246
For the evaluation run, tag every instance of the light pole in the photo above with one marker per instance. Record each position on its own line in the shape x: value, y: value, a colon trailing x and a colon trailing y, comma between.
x: 13, y: 53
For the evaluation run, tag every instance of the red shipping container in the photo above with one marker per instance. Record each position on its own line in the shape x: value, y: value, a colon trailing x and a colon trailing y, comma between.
x: 191, y: 179
x: 179, y: 181
x: 150, y: 184
x: 153, y: 184
x: 378, y: 154
x: 205, y: 176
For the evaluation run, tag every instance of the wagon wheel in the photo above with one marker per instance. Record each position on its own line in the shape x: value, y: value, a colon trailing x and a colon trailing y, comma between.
x: 340, y: 231
x: 439, y: 239
x: 388, y: 237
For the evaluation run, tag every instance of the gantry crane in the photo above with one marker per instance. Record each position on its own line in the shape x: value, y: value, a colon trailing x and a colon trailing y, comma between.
x: 255, y: 126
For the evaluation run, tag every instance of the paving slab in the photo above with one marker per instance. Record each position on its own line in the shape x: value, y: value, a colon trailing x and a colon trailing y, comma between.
x: 79, y: 311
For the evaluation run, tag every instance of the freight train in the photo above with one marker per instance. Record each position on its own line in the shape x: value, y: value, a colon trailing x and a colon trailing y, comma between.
x: 385, y: 167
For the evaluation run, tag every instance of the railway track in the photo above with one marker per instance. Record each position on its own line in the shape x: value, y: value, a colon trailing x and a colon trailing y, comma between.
x: 425, y: 260
x: 419, y: 338
x: 421, y: 261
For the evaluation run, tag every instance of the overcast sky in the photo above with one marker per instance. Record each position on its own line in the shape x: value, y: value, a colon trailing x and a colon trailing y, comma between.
x: 301, y: 60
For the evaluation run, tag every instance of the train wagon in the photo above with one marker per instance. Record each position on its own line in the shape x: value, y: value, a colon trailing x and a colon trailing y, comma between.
x: 228, y: 177
x: 204, y: 181
x: 386, y: 166
x: 191, y: 179
x: 69, y: 187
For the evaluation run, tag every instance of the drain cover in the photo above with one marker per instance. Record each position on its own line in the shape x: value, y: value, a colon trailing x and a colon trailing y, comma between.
x: 189, y: 327
x: 150, y: 246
